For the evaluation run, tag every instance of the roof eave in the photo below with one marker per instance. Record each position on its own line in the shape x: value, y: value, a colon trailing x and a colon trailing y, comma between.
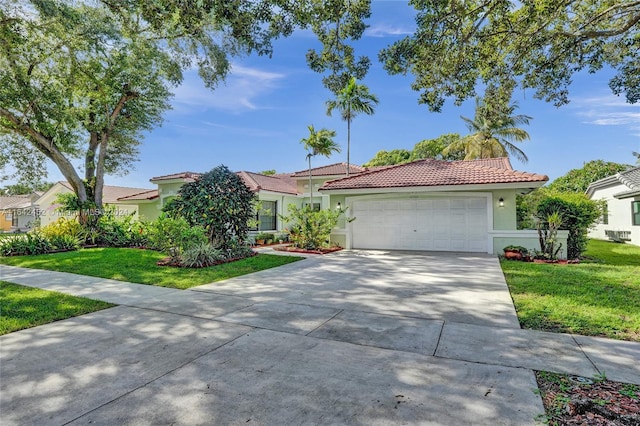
x: 438, y: 188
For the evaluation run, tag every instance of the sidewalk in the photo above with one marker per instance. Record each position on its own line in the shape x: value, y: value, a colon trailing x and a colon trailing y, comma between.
x: 537, y: 350
x: 247, y: 350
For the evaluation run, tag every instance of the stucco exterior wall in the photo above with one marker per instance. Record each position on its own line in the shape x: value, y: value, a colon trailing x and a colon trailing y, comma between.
x: 619, y: 214
x: 149, y: 211
x: 525, y: 238
x: 504, y: 218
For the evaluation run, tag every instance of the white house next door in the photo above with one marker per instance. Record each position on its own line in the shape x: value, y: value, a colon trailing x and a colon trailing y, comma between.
x: 436, y: 223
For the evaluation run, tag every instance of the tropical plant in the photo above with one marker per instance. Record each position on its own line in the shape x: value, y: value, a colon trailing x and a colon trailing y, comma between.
x: 493, y: 131
x: 31, y: 243
x: 548, y: 235
x: 219, y: 202
x: 310, y: 229
x: 201, y: 255
x: 352, y: 100
x: 319, y: 142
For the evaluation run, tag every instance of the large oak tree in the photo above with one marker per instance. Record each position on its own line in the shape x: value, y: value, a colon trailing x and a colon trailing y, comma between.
x: 83, y: 80
x: 461, y: 45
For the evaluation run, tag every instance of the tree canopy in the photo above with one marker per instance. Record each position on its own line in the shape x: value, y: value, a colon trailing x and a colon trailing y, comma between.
x: 84, y: 80
x: 335, y: 22
x: 503, y: 44
x: 428, y: 148
x: 578, y: 180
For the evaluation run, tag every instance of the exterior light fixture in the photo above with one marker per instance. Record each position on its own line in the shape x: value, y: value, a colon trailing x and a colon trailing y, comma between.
x: 338, y: 206
x: 501, y: 202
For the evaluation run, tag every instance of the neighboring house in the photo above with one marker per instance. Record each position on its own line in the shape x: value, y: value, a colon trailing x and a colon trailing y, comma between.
x: 424, y: 205
x: 621, y: 218
x: 17, y: 212
x: 47, y: 205
x: 467, y: 206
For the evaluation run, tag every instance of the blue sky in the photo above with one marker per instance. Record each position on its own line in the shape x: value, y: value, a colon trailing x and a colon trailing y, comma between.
x: 255, y: 121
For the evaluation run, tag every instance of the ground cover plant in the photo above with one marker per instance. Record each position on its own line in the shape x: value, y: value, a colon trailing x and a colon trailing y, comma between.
x: 140, y: 266
x: 571, y: 400
x: 24, y: 307
x: 598, y: 297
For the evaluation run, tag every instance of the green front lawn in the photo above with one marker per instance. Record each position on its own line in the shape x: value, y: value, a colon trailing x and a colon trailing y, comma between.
x: 24, y: 307
x: 139, y: 266
x: 598, y: 297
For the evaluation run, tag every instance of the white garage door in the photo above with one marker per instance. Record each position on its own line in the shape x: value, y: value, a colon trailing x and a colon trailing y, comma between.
x: 438, y: 223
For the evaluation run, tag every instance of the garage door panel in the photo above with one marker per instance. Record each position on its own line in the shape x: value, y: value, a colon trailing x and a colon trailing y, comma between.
x: 442, y: 224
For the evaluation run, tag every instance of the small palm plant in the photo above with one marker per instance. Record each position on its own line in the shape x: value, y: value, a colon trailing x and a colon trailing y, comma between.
x: 319, y: 142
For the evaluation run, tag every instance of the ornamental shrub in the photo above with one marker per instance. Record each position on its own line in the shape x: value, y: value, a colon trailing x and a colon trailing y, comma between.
x: 173, y: 236
x: 310, y: 229
x: 219, y: 202
x: 201, y: 255
x: 578, y: 213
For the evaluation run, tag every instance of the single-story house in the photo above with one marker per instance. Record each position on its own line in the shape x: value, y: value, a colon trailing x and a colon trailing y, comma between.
x: 47, y: 205
x: 621, y: 217
x: 17, y: 212
x: 467, y: 206
x: 423, y: 205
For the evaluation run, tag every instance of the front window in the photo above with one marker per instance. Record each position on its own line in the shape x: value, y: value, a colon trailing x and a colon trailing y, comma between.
x: 267, y: 216
x: 314, y: 206
x: 635, y: 213
x: 605, y: 214
x: 14, y: 220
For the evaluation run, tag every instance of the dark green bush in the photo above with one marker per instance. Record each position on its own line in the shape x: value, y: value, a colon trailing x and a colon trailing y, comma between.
x: 578, y: 213
x: 219, y: 202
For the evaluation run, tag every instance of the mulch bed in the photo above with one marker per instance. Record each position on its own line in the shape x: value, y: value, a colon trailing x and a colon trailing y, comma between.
x: 572, y: 400
x: 299, y: 250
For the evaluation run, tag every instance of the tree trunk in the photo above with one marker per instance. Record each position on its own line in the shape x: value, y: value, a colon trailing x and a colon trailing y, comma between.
x: 310, y: 184
x: 102, y: 155
x: 348, y: 139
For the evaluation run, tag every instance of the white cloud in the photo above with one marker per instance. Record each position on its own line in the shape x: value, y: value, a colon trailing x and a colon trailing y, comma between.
x: 386, y: 30
x: 240, y: 92
x: 609, y: 110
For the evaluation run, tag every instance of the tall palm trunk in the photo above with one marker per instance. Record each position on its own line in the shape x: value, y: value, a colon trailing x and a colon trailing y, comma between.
x: 348, y: 141
x: 310, y: 184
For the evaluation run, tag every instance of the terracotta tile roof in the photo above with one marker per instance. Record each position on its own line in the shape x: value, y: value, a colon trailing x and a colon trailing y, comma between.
x: 436, y: 173
x: 188, y: 176
x: 275, y: 183
x: 149, y: 194
x: 330, y: 170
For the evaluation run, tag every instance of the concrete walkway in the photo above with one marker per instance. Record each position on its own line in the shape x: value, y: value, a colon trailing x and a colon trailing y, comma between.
x: 356, y: 337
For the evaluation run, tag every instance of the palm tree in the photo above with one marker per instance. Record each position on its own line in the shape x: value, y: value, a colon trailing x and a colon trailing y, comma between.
x: 492, y: 134
x: 319, y: 142
x: 353, y: 99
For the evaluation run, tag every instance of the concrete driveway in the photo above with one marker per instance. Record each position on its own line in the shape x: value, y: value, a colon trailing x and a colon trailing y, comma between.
x: 356, y: 337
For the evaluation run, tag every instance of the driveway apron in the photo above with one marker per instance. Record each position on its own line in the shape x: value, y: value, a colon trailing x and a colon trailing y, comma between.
x: 355, y: 337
